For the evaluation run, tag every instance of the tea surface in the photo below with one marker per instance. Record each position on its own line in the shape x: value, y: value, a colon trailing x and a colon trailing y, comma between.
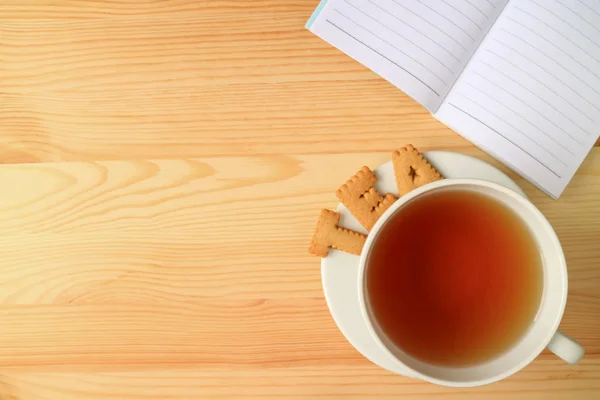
x: 454, y: 278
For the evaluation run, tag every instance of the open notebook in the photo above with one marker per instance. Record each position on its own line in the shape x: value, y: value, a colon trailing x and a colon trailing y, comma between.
x: 518, y: 78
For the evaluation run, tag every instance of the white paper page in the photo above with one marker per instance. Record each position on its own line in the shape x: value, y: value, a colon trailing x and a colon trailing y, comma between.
x: 530, y: 95
x: 420, y: 46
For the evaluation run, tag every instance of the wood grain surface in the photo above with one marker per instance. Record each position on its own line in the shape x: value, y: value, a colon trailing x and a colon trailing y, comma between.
x: 164, y: 163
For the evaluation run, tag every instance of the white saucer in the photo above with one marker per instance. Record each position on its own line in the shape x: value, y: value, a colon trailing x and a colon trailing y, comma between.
x: 339, y: 271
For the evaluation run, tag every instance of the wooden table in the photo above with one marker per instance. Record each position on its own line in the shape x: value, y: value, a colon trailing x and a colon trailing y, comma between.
x: 163, y: 164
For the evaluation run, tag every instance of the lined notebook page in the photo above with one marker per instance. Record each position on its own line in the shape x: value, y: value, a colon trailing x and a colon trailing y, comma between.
x: 420, y: 46
x: 531, y: 94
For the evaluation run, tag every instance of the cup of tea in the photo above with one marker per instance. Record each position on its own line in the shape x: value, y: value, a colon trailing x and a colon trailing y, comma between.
x: 464, y: 282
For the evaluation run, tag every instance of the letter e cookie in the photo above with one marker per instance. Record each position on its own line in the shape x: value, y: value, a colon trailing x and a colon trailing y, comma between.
x: 362, y: 199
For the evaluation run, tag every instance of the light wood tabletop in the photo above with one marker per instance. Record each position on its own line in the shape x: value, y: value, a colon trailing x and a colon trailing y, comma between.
x: 163, y: 164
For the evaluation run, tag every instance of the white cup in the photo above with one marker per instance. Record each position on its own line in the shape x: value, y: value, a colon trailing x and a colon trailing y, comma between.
x: 543, y: 331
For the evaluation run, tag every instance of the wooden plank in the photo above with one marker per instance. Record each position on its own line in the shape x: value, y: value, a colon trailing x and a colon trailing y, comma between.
x: 69, y: 10
x: 317, y: 382
x: 85, y: 81
x: 191, y: 279
x: 88, y: 80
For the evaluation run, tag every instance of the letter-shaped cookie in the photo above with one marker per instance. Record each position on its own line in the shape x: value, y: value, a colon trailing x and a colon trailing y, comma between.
x: 412, y: 169
x: 361, y: 198
x: 329, y: 234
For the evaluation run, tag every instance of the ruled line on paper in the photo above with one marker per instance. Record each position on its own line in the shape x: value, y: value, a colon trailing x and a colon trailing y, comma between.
x: 491, y: 4
x: 537, y: 80
x: 550, y: 43
x: 536, y: 111
x: 534, y: 94
x: 518, y: 115
x: 393, y: 46
x: 565, y: 21
x: 403, y: 37
x: 558, y: 32
x: 447, y: 19
x: 588, y: 7
x: 430, y: 24
x: 507, y: 139
x: 545, y: 70
x: 383, y: 56
x: 476, y: 8
x: 416, y: 30
x: 550, y: 58
x: 579, y: 16
x: 478, y: 104
x: 462, y: 13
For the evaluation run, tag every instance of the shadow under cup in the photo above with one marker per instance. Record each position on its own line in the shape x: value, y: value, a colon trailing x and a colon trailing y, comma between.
x: 543, y: 326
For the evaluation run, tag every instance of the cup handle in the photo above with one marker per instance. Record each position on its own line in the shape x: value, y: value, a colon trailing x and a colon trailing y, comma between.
x: 566, y: 348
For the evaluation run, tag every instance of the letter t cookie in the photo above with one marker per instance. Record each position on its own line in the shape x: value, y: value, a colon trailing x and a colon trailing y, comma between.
x: 329, y: 234
x: 361, y: 198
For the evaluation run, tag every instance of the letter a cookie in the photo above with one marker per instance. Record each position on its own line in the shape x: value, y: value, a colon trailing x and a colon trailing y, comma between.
x: 412, y: 169
x: 329, y: 234
x: 361, y: 198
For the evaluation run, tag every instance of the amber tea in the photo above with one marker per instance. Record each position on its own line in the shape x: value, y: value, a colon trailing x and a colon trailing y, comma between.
x: 454, y: 278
